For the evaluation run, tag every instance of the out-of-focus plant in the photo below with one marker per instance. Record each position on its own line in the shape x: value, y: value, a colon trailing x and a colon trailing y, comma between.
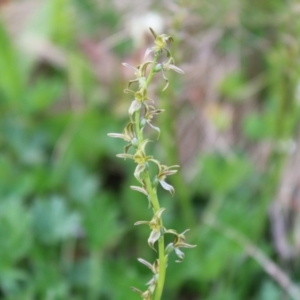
x: 141, y: 112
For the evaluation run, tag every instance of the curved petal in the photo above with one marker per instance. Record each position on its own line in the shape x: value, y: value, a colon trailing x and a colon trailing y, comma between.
x: 154, y: 236
x: 124, y: 155
x: 148, y: 51
x: 167, y: 187
x: 147, y: 264
x: 129, y: 66
x: 174, y: 68
x: 136, y: 290
x: 155, y: 128
x: 169, y: 248
x: 180, y: 254
x: 138, y: 171
x: 139, y: 189
x: 171, y: 231
x: 135, y: 105
x: 159, y: 212
x: 141, y: 222
x: 119, y: 135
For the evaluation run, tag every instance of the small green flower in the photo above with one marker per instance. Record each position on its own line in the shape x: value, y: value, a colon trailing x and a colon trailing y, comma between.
x: 141, y: 94
x: 128, y: 135
x: 163, y: 172
x: 160, y: 41
x: 139, y: 72
x: 179, y: 241
x: 140, y: 98
x: 150, y: 112
x: 140, y: 158
x: 155, y: 225
x: 169, y: 64
x: 155, y: 270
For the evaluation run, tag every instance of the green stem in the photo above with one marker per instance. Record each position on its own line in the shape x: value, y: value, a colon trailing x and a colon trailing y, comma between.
x: 138, y: 113
x: 153, y: 195
x: 139, y: 133
x: 161, y: 242
x: 152, y: 72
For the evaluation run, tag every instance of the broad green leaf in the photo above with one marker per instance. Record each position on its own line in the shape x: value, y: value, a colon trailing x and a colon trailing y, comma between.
x: 53, y: 221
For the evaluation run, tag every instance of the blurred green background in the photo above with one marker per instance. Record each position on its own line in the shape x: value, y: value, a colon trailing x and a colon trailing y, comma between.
x: 231, y: 122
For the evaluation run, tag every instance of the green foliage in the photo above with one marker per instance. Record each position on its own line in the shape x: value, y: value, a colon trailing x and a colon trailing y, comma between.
x: 223, y: 174
x: 15, y: 220
x: 52, y: 216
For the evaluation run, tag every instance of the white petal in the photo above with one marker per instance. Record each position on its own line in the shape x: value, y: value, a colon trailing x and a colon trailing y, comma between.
x: 154, y: 236
x: 147, y: 264
x: 135, y: 105
x: 180, y: 254
x: 167, y: 187
x: 139, y: 189
x: 124, y: 155
x: 119, y: 135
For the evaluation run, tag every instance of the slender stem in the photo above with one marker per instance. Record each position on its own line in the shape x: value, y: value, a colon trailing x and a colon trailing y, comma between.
x: 152, y: 72
x: 139, y: 133
x: 138, y: 113
x: 152, y: 193
x: 161, y: 242
x: 162, y: 269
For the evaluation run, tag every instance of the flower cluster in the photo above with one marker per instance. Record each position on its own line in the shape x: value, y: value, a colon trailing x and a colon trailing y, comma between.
x: 141, y: 112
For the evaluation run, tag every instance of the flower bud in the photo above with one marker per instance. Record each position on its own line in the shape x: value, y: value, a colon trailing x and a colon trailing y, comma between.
x: 135, y: 142
x: 158, y: 68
